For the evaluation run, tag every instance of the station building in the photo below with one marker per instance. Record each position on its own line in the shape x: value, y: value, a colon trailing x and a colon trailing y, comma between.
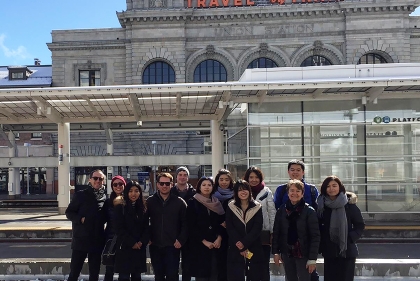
x: 365, y: 134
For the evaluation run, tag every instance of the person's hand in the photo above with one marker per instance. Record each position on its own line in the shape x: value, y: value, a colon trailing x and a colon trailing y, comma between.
x: 223, y: 224
x: 140, y: 244
x: 177, y: 245
x: 83, y: 220
x: 311, y: 267
x: 208, y: 244
x: 217, y: 242
x: 239, y: 245
x: 277, y: 259
x: 244, y: 253
x: 150, y: 242
x: 136, y: 246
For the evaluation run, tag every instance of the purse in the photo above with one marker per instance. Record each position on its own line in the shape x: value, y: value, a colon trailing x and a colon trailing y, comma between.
x: 265, y: 237
x: 108, y: 253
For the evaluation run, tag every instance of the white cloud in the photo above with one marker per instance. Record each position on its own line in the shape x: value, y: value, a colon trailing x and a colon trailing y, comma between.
x: 19, y: 53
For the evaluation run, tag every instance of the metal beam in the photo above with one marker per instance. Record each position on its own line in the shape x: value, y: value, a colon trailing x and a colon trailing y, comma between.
x: 317, y: 93
x: 108, y: 133
x: 134, y: 101
x: 374, y: 93
x: 5, y: 111
x: 223, y: 113
x: 114, y: 160
x: 48, y: 111
x: 6, y: 139
x: 92, y: 107
x: 261, y: 97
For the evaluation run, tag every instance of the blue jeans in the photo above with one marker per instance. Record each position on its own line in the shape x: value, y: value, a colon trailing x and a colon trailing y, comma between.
x: 165, y: 262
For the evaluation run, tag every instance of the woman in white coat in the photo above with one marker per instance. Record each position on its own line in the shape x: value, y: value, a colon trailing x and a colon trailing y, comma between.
x: 264, y: 196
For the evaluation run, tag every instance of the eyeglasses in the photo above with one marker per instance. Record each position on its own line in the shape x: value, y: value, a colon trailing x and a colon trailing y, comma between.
x: 98, y: 178
x: 115, y: 184
x: 164, y: 183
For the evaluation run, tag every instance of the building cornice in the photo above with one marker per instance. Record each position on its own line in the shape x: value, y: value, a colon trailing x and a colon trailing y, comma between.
x: 127, y: 18
x: 86, y: 45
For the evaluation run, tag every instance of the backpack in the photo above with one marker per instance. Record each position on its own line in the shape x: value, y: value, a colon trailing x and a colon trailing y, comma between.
x: 313, y: 194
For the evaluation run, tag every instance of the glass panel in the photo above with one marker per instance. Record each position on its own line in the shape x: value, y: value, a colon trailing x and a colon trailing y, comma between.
x: 159, y: 72
x: 315, y: 61
x: 210, y: 71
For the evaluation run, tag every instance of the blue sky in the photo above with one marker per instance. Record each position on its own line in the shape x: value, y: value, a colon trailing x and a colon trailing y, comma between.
x: 26, y: 25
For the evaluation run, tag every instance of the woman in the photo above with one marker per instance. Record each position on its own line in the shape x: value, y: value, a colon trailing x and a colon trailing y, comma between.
x: 224, y: 185
x: 205, y: 216
x: 296, y: 235
x: 132, y: 229
x: 341, y: 225
x: 244, y: 222
x: 264, y: 196
x: 118, y: 184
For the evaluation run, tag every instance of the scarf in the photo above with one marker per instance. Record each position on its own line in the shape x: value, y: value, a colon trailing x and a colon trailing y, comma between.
x: 99, y: 195
x: 338, y: 222
x: 223, y: 194
x: 256, y: 189
x: 293, y: 212
x: 211, y: 203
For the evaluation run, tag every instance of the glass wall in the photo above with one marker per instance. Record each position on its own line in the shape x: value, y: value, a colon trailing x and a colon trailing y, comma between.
x: 374, y: 148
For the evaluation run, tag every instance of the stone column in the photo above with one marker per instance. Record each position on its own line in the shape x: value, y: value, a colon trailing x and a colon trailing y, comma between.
x: 408, y: 163
x: 63, y: 196
x: 109, y: 169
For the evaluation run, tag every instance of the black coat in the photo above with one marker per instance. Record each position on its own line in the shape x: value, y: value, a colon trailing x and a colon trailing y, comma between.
x: 131, y: 226
x: 307, y: 230
x: 90, y: 235
x: 109, y: 218
x: 247, y: 231
x: 202, y: 224
x: 355, y: 224
x: 168, y: 220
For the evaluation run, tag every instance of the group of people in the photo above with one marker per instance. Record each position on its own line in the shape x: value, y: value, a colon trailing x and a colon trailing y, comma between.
x: 221, y: 230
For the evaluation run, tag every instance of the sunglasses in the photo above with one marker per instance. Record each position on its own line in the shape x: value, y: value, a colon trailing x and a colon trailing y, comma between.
x: 164, y: 183
x: 98, y: 178
x: 115, y: 184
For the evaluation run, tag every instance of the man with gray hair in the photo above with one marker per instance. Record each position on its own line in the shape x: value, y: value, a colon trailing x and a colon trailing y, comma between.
x: 186, y: 191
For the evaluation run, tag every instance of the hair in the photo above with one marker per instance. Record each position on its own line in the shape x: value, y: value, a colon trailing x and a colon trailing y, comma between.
x: 255, y: 170
x: 328, y: 180
x: 243, y: 185
x: 224, y: 172
x: 200, y: 181
x: 165, y: 175
x: 94, y: 171
x: 299, y: 185
x: 296, y: 162
x: 140, y: 203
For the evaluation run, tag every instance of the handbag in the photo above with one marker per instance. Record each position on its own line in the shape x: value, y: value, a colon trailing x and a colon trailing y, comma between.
x: 265, y: 237
x: 108, y: 253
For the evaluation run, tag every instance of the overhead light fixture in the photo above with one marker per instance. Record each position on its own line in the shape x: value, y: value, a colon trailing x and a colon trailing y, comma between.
x: 364, y: 100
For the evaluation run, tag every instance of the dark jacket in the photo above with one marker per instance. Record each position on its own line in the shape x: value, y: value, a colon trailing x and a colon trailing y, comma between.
x: 132, y: 226
x: 168, y: 220
x: 355, y: 224
x: 90, y: 235
x: 246, y: 230
x: 190, y: 192
x: 307, y: 230
x: 109, y: 213
x: 202, y: 224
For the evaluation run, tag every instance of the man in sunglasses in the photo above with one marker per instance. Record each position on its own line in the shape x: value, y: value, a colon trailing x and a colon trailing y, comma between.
x: 88, y: 218
x: 186, y: 191
x: 168, y: 229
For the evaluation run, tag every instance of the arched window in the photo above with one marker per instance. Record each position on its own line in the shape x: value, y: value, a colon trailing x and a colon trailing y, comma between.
x: 262, y: 63
x: 316, y: 61
x: 371, y: 58
x: 158, y: 72
x: 210, y: 71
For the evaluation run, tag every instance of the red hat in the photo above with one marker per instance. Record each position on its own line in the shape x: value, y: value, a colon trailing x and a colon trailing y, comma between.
x: 118, y: 177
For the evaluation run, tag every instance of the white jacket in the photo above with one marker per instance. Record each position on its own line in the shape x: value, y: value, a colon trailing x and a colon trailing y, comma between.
x: 265, y: 198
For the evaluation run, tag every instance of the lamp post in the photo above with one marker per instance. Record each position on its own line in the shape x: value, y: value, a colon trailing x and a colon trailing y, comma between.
x: 154, y: 167
x: 27, y: 145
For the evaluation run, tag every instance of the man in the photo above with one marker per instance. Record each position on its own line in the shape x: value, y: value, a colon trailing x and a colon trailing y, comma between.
x: 296, y: 171
x: 88, y: 218
x: 168, y: 227
x: 186, y: 191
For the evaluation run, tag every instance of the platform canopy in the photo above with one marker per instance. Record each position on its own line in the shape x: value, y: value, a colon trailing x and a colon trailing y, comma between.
x: 194, y: 104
